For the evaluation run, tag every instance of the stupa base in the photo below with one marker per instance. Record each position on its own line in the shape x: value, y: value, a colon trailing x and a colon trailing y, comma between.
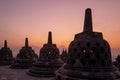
x: 41, y: 74
x: 44, y: 69
x: 2, y: 63
x: 21, y: 64
x: 87, y: 74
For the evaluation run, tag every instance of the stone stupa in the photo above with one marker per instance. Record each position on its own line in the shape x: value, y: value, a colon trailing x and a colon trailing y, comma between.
x: 64, y: 56
x: 25, y: 58
x: 48, y: 60
x: 89, y: 56
x: 117, y: 62
x: 6, y: 56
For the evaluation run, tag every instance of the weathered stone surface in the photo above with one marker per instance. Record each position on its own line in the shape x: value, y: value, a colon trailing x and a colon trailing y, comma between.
x: 48, y: 61
x: 89, y: 56
x: 25, y: 58
x: 6, y: 56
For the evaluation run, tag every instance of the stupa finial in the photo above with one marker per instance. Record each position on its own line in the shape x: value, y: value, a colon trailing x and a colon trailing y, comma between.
x: 26, y: 42
x: 5, y: 43
x: 88, y: 21
x: 50, y: 37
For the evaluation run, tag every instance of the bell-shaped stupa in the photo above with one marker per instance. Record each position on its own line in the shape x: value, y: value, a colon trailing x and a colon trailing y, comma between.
x: 89, y: 56
x: 25, y: 58
x: 64, y: 56
x: 6, y: 56
x: 48, y: 61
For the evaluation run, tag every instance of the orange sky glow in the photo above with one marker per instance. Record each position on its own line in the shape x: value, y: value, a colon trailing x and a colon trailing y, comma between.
x: 34, y: 18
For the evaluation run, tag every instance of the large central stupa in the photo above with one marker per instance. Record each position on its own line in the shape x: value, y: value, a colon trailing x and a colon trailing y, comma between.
x: 89, y: 56
x: 48, y: 60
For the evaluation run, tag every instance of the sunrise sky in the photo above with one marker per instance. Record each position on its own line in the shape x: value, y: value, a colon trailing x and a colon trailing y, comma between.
x: 34, y: 18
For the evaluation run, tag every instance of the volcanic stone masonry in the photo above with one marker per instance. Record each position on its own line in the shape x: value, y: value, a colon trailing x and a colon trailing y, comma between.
x: 89, y: 56
x: 25, y: 58
x: 6, y: 56
x: 48, y: 61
